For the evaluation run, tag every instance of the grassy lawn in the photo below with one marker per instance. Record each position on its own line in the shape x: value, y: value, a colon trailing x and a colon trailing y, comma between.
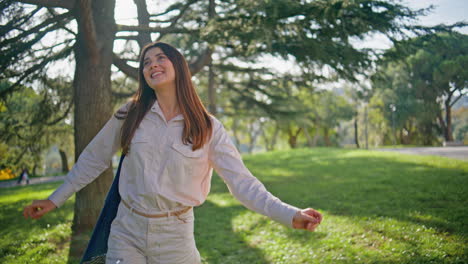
x: 379, y: 207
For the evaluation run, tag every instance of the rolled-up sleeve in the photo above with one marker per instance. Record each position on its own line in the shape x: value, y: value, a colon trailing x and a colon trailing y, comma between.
x: 94, y: 159
x: 246, y: 188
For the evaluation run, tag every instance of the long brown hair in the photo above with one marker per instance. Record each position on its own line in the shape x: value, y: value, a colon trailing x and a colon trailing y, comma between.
x: 197, y: 122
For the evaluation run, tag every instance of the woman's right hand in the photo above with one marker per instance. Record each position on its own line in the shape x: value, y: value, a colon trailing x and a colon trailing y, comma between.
x: 38, y: 208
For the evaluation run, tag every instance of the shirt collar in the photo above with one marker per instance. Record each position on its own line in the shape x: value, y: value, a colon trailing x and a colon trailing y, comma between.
x: 157, y: 109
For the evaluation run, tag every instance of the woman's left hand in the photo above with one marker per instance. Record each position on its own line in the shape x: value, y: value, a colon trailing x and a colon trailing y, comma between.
x: 307, y: 219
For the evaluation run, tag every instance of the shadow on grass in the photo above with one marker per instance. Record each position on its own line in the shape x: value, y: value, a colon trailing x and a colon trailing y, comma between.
x: 216, y: 239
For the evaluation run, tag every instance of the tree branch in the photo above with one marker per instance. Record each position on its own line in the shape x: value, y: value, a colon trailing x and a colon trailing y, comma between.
x: 143, y: 20
x: 67, y: 4
x: 16, y: 23
x: 175, y: 19
x: 162, y: 30
x: 200, y: 62
x: 18, y: 47
x: 37, y: 28
x: 174, y: 7
x: 127, y: 37
x: 456, y: 99
x: 62, y: 54
x: 60, y: 118
x: 54, y: 14
x: 124, y: 67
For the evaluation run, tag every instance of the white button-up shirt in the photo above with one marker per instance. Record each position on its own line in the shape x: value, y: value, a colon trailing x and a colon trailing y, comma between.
x: 160, y: 173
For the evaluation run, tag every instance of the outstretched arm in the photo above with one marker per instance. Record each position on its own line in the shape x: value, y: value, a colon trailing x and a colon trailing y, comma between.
x: 94, y: 159
x: 227, y: 162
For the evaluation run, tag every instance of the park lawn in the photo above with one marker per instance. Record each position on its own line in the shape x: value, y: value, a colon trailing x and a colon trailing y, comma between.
x: 378, y: 207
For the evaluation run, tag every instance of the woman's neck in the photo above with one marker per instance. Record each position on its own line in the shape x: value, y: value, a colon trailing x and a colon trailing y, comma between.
x: 168, y: 103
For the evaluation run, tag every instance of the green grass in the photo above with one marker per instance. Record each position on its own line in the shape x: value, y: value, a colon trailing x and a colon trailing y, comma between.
x: 25, y: 241
x: 379, y: 207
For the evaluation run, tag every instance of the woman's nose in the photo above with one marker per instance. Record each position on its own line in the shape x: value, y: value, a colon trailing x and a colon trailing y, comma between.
x: 154, y: 64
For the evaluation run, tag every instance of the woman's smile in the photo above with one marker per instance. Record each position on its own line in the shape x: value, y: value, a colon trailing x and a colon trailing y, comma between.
x: 155, y: 74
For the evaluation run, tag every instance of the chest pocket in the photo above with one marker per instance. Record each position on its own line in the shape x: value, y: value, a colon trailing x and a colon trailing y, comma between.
x: 186, y: 162
x: 140, y: 143
x: 186, y: 150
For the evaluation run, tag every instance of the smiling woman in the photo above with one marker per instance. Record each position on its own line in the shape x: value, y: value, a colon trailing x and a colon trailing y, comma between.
x: 171, y: 145
x: 158, y: 70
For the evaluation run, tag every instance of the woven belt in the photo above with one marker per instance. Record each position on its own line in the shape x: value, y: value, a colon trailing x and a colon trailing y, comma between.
x: 176, y: 213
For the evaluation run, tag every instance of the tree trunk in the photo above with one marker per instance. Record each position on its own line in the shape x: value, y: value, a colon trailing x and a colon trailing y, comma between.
x: 316, y: 136
x: 310, y: 141
x: 356, y: 136
x: 366, y: 135
x: 92, y: 95
x: 326, y: 136
x: 265, y: 138
x: 292, y: 141
x: 448, y: 120
x: 234, y: 128
x: 274, y: 138
x: 293, y: 137
x: 63, y: 157
x: 211, y: 76
x: 254, y: 132
x: 211, y: 90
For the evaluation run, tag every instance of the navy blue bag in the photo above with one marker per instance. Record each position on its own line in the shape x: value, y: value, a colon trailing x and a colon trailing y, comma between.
x: 97, y: 246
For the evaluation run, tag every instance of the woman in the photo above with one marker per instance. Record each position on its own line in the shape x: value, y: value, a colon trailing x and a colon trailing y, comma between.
x: 171, y: 145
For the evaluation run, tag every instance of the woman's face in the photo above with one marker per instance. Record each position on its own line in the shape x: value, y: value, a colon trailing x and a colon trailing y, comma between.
x: 158, y: 69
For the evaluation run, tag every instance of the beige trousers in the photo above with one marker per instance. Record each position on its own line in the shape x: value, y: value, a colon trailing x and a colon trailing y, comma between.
x: 136, y: 239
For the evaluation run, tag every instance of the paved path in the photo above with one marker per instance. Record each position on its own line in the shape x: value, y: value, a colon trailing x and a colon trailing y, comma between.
x: 32, y: 181
x: 460, y: 153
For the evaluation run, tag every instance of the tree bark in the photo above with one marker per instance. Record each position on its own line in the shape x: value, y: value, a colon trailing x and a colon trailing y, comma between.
x: 356, y: 136
x: 366, y: 135
x: 316, y: 137
x: 274, y: 137
x: 93, y: 107
x: 310, y: 141
x: 326, y: 136
x: 448, y: 120
x: 211, y: 90
x: 254, y: 132
x: 293, y: 137
x: 63, y: 157
x: 211, y: 75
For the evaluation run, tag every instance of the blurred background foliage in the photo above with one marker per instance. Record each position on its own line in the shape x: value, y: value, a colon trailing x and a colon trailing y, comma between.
x: 335, y: 94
